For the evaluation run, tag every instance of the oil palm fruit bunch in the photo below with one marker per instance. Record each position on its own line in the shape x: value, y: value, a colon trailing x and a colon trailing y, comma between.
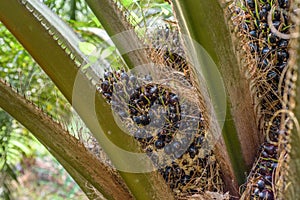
x: 160, y: 112
x: 263, y: 27
x: 160, y: 107
x: 166, y: 41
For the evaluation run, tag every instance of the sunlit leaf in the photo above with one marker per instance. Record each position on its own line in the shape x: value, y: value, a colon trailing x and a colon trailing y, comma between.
x: 107, y: 52
x: 25, y: 149
x: 96, y: 21
x: 87, y: 48
x: 127, y: 3
x: 165, y: 11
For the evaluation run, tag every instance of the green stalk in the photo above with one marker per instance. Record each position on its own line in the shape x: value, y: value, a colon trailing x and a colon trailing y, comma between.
x: 40, y: 32
x: 206, y: 23
x: 121, y: 32
x: 72, y: 154
x: 293, y: 165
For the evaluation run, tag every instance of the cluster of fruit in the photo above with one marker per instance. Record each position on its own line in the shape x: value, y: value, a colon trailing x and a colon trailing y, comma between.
x: 170, y: 130
x: 269, y: 50
x: 263, y: 173
x: 166, y: 42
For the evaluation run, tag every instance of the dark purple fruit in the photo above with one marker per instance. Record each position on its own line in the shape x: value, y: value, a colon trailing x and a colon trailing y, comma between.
x: 198, y: 141
x: 184, y: 142
x: 244, y: 26
x: 265, y: 50
x: 185, y: 179
x: 184, y: 162
x: 266, y: 195
x: 256, y: 192
x: 281, y: 66
x: 253, y: 33
x: 157, y: 123
x: 173, y: 117
x: 107, y: 95
x: 153, y: 90
x: 159, y: 144
x: 282, y: 43
x: 283, y: 3
x: 173, y: 109
x: 263, y: 170
x: 105, y: 85
x: 177, y: 125
x: 137, y: 119
x: 261, y: 184
x: 192, y: 172
x: 133, y: 111
x: 168, y: 138
x: 144, y: 120
x: 178, y: 171
x: 282, y: 55
x: 132, y: 79
x: 149, y: 151
x: 268, y: 179
x: 193, y: 151
x: 174, y: 99
x: 267, y: 6
x: 167, y: 172
x: 168, y: 149
x: 274, y: 165
x: 178, y: 153
x: 265, y: 154
x: 270, y: 149
x: 176, y: 145
x: 148, y: 77
x: 124, y: 76
x: 250, y: 3
x: 253, y: 47
x: 272, y: 75
x: 263, y: 13
x: 276, y: 24
x: 272, y: 38
x: 107, y: 75
x: 140, y: 133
